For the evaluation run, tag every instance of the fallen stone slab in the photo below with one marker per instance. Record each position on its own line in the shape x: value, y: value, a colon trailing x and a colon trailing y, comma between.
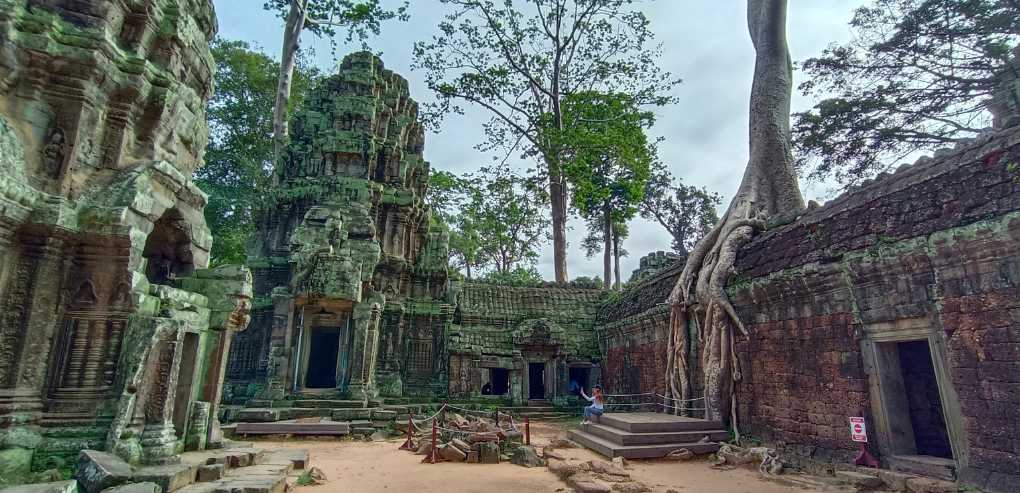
x: 858, y: 479
x: 98, y: 471
x: 929, y: 485
x: 171, y: 477
x: 488, y: 453
x: 894, y: 480
x: 527, y: 457
x: 564, y: 470
x: 460, y: 444
x: 631, y: 487
x: 451, y: 453
x: 70, y: 486
x: 210, y: 472
x: 298, y: 458
x: 135, y: 488
x: 603, y: 468
x: 583, y: 483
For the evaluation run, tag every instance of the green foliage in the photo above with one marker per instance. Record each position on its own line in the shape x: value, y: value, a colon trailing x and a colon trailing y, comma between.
x: 495, y: 217
x: 584, y: 282
x: 305, y: 479
x: 238, y: 160
x: 916, y: 76
x: 359, y: 18
x: 607, y: 156
x: 687, y: 212
x: 521, y: 277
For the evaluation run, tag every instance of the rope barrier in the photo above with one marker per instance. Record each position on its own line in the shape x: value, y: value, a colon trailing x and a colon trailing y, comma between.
x: 629, y: 395
x: 680, y: 400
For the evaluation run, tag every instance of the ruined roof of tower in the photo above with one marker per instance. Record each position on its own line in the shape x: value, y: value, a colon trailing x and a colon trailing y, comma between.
x: 512, y: 304
x: 975, y: 181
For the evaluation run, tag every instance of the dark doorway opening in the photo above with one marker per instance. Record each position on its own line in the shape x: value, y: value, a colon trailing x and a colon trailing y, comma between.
x: 168, y: 249
x: 923, y: 401
x: 499, y: 380
x: 579, y: 379
x: 322, y: 358
x: 536, y: 380
x: 185, y: 381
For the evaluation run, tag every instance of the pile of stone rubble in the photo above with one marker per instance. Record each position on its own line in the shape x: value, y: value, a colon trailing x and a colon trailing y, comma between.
x: 473, y: 439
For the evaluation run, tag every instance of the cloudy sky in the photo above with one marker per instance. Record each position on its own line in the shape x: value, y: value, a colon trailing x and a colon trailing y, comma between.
x: 704, y: 42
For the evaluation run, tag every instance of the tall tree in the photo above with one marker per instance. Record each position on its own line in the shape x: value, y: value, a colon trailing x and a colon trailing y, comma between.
x: 322, y: 18
x: 238, y: 159
x: 607, y: 161
x: 685, y: 211
x: 519, y: 59
x: 768, y: 187
x: 917, y: 75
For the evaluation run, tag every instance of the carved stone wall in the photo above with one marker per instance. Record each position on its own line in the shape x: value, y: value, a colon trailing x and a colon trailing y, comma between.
x: 102, y: 121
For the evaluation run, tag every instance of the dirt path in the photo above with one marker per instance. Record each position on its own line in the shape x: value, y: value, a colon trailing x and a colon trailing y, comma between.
x: 379, y: 467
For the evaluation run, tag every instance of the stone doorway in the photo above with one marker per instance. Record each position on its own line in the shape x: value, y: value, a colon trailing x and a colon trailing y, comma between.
x: 918, y: 422
x: 536, y: 380
x: 581, y: 377
x: 924, y: 405
x: 323, y: 358
x: 185, y: 384
x: 499, y: 381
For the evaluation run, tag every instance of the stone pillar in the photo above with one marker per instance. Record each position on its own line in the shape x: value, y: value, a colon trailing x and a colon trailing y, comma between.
x: 159, y: 441
x: 229, y: 291
x: 279, y: 377
x: 365, y: 348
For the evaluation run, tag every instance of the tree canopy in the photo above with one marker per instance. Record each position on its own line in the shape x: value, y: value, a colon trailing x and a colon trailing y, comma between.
x: 687, y: 212
x: 916, y: 76
x: 519, y: 60
x: 496, y: 219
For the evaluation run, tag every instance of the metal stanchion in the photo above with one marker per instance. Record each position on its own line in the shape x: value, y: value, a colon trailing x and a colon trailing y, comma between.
x: 433, y: 456
x: 409, y: 443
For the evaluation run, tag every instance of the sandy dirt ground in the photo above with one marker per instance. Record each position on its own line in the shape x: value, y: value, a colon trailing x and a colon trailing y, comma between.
x: 373, y: 467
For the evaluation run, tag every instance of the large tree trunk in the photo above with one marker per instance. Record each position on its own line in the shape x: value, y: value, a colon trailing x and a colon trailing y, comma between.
x: 769, y: 187
x: 607, y: 252
x: 616, y: 258
x: 291, y: 42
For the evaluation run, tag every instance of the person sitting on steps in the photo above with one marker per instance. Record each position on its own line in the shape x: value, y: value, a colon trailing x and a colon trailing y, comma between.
x: 596, y: 400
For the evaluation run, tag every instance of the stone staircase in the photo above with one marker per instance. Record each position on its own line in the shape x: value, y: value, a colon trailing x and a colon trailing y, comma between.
x: 648, y: 435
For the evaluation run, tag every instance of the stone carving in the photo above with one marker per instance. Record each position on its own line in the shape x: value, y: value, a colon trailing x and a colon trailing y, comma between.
x: 55, y: 153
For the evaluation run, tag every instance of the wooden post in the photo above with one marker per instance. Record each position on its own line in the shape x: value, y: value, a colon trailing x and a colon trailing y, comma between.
x: 433, y: 456
x: 409, y: 443
x: 527, y: 430
x: 497, y: 417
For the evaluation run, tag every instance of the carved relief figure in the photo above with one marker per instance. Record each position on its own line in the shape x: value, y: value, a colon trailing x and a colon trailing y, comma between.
x: 54, y: 153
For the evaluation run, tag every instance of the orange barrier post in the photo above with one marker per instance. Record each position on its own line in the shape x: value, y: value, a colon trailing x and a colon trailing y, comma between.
x: 409, y: 443
x: 527, y: 430
x: 433, y: 456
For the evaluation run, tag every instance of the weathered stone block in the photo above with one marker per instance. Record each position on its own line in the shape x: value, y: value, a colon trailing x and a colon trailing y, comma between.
x: 135, y: 488
x: 54, y: 487
x: 488, y: 453
x: 451, y: 453
x: 97, y: 471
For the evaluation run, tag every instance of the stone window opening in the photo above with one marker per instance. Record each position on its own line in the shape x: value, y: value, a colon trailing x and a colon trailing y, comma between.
x: 581, y: 377
x: 168, y: 250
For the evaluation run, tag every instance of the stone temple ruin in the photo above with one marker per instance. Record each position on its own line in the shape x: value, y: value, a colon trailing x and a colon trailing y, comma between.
x: 352, y: 296
x: 113, y: 334
x: 896, y: 302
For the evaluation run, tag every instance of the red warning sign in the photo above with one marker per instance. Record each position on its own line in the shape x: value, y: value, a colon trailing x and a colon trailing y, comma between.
x: 858, y: 430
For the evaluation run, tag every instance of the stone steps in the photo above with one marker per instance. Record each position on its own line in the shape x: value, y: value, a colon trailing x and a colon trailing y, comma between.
x: 332, y: 428
x: 648, y: 435
x: 622, y: 437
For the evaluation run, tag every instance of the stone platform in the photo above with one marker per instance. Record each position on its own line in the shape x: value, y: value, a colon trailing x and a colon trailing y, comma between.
x: 649, y: 435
